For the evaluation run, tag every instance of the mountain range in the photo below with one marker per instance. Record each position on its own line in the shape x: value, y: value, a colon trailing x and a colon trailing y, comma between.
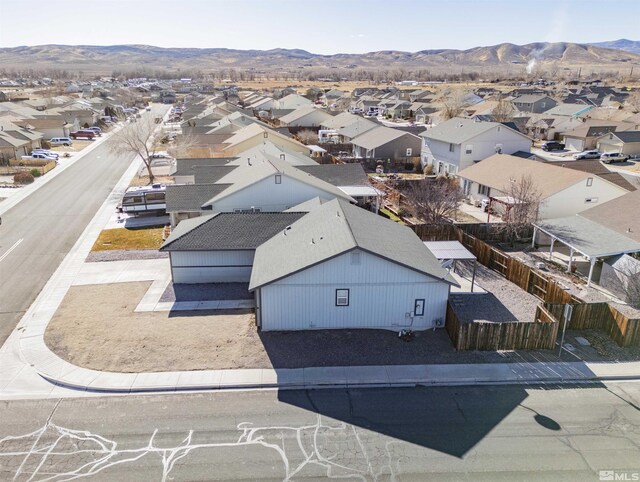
x: 105, y: 59
x: 627, y: 45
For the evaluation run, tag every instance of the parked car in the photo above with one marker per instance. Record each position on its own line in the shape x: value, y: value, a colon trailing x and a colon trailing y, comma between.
x: 83, y: 134
x: 38, y: 155
x: 60, y: 141
x: 94, y: 129
x: 46, y: 152
x: 552, y: 146
x: 593, y: 154
x: 609, y: 157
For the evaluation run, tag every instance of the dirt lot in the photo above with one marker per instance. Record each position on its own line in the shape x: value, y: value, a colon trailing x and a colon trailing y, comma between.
x: 96, y: 327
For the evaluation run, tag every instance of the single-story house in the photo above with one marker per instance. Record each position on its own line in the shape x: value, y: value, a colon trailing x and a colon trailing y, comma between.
x: 586, y: 136
x: 386, y: 143
x: 219, y: 248
x: 627, y: 142
x: 569, y: 110
x: 49, y: 127
x: 263, y: 184
x: 308, y: 116
x: 563, y: 192
x: 341, y: 266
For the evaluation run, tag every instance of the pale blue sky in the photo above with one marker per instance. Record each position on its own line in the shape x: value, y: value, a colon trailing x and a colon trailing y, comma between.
x: 319, y: 26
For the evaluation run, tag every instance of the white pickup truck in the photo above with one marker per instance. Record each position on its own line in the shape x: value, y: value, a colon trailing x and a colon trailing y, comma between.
x: 39, y: 155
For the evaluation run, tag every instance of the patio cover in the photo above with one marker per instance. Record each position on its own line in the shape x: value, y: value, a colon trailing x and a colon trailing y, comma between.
x: 449, y: 250
x: 588, y: 237
x: 452, y: 250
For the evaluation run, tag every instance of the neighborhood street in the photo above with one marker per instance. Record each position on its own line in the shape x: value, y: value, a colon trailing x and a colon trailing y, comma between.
x: 38, y: 232
x: 425, y: 433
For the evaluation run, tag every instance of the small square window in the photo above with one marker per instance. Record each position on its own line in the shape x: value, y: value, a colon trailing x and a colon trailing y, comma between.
x: 278, y: 179
x: 418, y: 308
x: 451, y: 148
x: 468, y: 149
x: 355, y: 257
x: 342, y: 297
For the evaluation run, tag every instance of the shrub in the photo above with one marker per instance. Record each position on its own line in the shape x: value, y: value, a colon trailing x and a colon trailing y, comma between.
x: 428, y: 170
x: 409, y: 166
x: 35, y: 172
x: 45, y: 144
x: 23, y: 178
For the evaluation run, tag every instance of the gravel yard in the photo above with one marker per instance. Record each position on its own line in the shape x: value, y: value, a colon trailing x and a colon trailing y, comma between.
x: 96, y: 327
x: 503, y: 302
x: 574, y: 285
x: 125, y: 255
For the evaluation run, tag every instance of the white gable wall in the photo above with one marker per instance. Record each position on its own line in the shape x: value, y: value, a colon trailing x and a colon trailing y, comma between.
x: 567, y: 202
x: 268, y: 196
x: 382, y: 295
x: 573, y: 199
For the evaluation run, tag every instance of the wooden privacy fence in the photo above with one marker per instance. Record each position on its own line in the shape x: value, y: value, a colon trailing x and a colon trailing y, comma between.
x: 518, y: 335
x: 600, y: 316
x: 529, y: 279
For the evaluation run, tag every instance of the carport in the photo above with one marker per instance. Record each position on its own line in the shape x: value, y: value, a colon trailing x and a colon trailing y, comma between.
x: 449, y: 252
x: 586, y: 237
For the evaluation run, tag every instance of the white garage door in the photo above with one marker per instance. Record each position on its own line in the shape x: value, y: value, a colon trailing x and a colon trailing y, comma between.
x: 211, y: 266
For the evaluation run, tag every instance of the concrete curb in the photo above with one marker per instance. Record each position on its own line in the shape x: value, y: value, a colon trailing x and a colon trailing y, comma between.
x: 329, y: 377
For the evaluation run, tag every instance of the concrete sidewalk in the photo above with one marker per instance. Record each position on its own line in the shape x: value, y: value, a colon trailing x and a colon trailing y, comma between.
x: 30, y: 370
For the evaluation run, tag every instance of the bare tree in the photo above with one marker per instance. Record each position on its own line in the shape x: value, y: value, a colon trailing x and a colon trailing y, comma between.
x: 629, y: 280
x: 503, y: 111
x: 435, y: 201
x: 137, y: 138
x: 633, y: 101
x: 307, y: 136
x: 522, y: 206
x: 453, y: 103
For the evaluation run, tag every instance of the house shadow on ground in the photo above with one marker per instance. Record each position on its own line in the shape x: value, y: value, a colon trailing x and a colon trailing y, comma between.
x: 451, y: 420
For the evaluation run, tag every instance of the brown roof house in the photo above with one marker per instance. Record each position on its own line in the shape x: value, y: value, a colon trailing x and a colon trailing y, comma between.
x: 563, y: 191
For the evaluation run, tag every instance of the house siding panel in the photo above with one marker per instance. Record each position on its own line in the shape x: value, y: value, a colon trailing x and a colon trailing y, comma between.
x: 381, y: 293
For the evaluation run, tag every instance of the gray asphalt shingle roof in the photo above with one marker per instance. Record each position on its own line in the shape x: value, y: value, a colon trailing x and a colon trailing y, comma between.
x: 628, y: 136
x: 184, y: 167
x: 338, y: 174
x: 335, y: 228
x: 459, y: 130
x: 210, y: 174
x: 191, y: 197
x: 228, y: 231
x: 379, y: 137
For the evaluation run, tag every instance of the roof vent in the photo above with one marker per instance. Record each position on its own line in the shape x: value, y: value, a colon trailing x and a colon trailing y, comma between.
x: 249, y: 160
x: 628, y: 230
x: 313, y: 241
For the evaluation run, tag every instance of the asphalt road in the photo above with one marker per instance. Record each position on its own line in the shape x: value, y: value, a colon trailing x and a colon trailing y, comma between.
x: 457, y: 433
x: 47, y: 224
